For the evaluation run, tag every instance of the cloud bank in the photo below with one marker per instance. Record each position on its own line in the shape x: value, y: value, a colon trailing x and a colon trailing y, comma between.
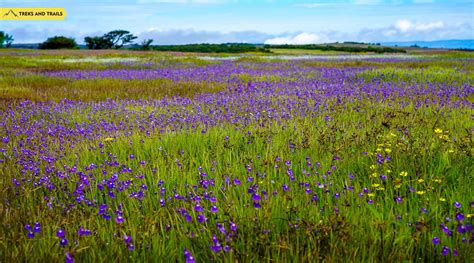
x: 400, y: 30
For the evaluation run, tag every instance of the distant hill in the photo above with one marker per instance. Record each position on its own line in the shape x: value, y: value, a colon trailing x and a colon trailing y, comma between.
x: 452, y: 44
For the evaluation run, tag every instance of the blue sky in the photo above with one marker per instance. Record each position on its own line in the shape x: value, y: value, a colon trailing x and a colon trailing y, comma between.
x: 266, y: 21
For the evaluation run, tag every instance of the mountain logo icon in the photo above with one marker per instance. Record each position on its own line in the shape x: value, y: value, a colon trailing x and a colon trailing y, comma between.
x: 10, y: 12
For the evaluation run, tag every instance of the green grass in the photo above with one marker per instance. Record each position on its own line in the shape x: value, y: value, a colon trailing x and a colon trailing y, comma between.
x: 438, y: 164
x: 431, y: 74
x: 361, y: 232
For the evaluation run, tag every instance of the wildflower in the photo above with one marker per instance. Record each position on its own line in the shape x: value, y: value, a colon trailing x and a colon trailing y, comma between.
x: 188, y: 256
x: 69, y: 258
x: 438, y: 131
x: 435, y: 240
x: 63, y: 242
x: 108, y: 139
x: 442, y: 199
x: 420, y: 181
x: 119, y: 220
x: 403, y: 174
x: 398, y: 199
x: 420, y: 192
x: 457, y: 205
x: 445, y: 251
x: 60, y: 233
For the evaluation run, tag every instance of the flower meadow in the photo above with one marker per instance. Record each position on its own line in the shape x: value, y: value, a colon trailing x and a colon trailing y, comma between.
x: 172, y: 158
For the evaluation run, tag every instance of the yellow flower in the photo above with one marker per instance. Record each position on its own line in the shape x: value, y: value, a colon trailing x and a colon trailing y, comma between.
x: 420, y: 192
x: 108, y: 139
x: 437, y: 180
x: 469, y: 215
x: 398, y: 186
x: 373, y: 175
x: 388, y: 171
x: 375, y: 185
x: 420, y: 181
x: 450, y: 151
x: 373, y: 166
x: 370, y: 194
x: 403, y: 174
x: 438, y: 130
x: 380, y: 189
x: 388, y: 150
x: 378, y: 150
x: 442, y: 199
x: 393, y: 134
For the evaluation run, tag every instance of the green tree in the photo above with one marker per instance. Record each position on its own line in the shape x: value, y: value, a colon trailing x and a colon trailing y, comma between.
x: 119, y: 38
x: 114, y: 39
x: 58, y: 42
x: 146, y: 44
x: 98, y: 43
x: 6, y: 40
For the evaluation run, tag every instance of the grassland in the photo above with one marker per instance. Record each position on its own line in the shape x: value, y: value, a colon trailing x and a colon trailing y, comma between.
x: 173, y: 158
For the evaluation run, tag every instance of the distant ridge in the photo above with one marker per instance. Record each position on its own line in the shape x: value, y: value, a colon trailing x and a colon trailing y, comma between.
x: 452, y: 44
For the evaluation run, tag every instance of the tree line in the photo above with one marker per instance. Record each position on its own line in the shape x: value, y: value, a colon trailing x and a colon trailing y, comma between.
x: 118, y: 39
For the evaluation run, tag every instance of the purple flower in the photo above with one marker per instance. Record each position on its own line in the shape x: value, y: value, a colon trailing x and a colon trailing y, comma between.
x: 256, y: 197
x: 398, y: 199
x: 127, y: 239
x: 119, y: 220
x: 60, y: 233
x: 457, y: 205
x: 216, y: 248
x: 83, y: 232
x: 214, y: 209
x: 188, y: 257
x: 131, y: 247
x: 435, y: 240
x: 233, y: 226
x: 459, y: 216
x: 201, y: 218
x: 69, y: 258
x: 445, y: 251
x: 236, y: 181
x: 63, y: 242
x: 461, y: 229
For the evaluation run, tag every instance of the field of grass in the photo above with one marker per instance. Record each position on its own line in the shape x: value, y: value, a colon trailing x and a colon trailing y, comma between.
x: 173, y: 158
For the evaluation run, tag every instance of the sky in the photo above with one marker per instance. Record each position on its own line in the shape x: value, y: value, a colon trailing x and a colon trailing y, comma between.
x: 265, y: 21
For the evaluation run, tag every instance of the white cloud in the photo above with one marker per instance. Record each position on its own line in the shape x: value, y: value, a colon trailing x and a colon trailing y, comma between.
x: 299, y: 39
x: 403, y: 25
x: 407, y: 25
